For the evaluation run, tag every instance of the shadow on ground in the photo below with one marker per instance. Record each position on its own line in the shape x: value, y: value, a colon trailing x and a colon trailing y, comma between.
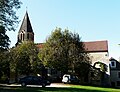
x: 46, y: 89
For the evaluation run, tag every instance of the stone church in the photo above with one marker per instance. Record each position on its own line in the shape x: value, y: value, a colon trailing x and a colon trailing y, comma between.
x: 98, y: 50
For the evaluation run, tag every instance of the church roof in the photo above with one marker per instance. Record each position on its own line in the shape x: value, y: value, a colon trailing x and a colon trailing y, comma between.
x: 93, y: 46
x: 96, y: 46
x: 26, y: 25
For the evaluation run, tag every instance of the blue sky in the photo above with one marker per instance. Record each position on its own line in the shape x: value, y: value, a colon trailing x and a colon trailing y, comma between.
x: 93, y: 20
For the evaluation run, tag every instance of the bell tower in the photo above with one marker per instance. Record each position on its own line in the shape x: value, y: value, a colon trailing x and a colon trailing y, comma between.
x: 25, y: 32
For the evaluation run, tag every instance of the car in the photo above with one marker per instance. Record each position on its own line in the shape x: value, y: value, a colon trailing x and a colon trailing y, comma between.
x: 68, y: 78
x: 33, y: 80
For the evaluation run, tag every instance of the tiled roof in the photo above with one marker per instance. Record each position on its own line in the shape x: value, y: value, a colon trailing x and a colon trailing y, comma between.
x: 94, y: 46
x: 39, y: 45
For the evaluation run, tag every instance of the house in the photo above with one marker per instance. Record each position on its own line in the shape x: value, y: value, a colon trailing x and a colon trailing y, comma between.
x: 98, y: 50
x: 114, y: 72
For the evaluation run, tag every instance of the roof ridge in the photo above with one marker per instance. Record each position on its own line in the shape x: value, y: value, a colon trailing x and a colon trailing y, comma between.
x: 96, y: 41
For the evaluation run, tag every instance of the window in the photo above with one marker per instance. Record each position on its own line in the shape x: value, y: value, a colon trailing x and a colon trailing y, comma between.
x: 28, y: 36
x: 23, y: 36
x: 29, y: 78
x: 35, y: 79
x: 106, y: 54
x: 118, y: 83
x: 53, y: 71
x: 118, y: 74
x: 92, y: 74
x: 113, y: 63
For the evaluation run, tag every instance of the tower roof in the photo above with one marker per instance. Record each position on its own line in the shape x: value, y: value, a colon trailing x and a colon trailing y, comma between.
x: 26, y: 25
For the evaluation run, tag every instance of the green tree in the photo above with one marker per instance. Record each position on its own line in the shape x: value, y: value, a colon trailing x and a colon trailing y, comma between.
x: 4, y: 67
x: 64, y: 51
x: 103, y: 68
x: 4, y: 60
x: 8, y: 17
x: 4, y: 40
x: 8, y: 20
x: 24, y: 60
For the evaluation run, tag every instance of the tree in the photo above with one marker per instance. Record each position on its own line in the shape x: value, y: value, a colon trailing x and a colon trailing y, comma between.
x: 64, y: 51
x: 4, y: 40
x: 103, y: 68
x: 8, y: 18
x: 25, y: 59
x: 4, y: 67
x: 4, y: 46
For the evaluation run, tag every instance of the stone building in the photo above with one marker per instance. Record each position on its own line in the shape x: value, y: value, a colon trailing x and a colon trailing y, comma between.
x: 98, y: 53
x: 98, y: 50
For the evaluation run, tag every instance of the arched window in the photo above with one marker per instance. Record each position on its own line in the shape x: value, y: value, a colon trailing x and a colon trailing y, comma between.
x: 23, y: 36
x: 28, y: 36
x: 32, y: 37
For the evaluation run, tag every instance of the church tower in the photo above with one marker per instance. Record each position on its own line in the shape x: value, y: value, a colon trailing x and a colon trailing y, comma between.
x: 25, y: 32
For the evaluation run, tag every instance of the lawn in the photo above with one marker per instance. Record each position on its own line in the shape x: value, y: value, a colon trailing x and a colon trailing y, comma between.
x: 73, y: 88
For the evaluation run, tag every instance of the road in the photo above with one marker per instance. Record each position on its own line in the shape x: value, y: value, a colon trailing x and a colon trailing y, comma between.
x: 52, y: 85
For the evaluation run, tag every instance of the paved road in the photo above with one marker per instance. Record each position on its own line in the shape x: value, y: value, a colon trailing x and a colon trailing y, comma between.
x: 52, y: 85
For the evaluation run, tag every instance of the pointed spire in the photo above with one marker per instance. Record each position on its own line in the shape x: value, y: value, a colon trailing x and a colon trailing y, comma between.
x: 25, y: 32
x: 26, y: 25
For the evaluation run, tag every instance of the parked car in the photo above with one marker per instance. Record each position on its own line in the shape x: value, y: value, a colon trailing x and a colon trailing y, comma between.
x: 68, y: 78
x: 33, y: 80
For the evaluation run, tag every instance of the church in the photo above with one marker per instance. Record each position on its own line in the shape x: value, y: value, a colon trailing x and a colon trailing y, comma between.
x: 25, y: 32
x: 98, y: 50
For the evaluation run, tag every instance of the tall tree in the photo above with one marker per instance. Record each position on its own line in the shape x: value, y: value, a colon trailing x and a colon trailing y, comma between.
x: 64, y: 51
x: 8, y: 20
x: 8, y: 17
x: 4, y: 39
x: 4, y: 45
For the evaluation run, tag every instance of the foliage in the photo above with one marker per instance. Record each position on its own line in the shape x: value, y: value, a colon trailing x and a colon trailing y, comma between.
x: 64, y: 51
x: 25, y: 60
x: 4, y: 66
x: 8, y: 20
x: 82, y: 69
x: 103, y: 67
x: 4, y: 40
x: 8, y: 17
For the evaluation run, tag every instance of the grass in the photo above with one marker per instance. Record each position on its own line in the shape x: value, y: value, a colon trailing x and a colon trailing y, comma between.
x: 73, y: 88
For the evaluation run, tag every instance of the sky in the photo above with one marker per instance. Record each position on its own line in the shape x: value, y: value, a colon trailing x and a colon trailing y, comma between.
x: 93, y: 20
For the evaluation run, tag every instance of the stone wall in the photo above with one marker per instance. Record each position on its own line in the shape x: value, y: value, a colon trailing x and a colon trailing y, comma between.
x: 104, y: 58
x: 100, y: 57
